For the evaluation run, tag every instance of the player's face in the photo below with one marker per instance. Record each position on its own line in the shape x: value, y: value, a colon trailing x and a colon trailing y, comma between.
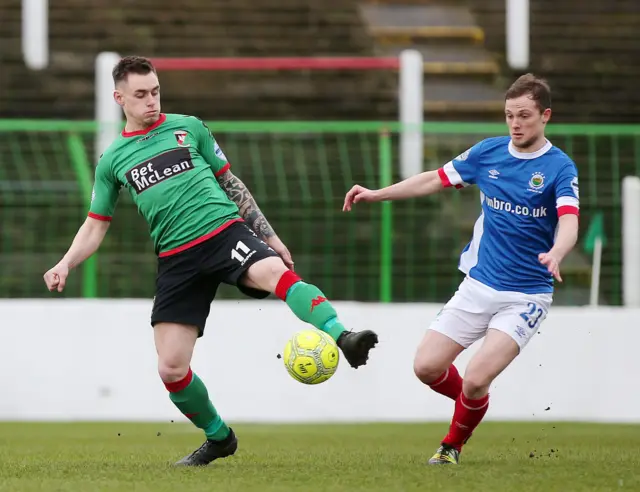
x: 526, y: 122
x: 139, y: 97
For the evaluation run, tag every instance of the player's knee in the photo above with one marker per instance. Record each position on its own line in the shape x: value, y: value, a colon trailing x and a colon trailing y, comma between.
x: 265, y: 274
x: 275, y: 269
x: 427, y: 370
x: 172, y: 369
x: 475, y: 384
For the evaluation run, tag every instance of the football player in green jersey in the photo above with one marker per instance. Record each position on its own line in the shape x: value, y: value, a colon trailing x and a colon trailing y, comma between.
x: 206, y: 229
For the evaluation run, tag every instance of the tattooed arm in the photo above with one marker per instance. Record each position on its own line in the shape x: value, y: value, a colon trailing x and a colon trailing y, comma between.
x: 237, y: 191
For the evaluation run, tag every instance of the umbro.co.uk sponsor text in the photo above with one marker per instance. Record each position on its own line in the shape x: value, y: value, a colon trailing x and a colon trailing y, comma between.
x: 509, y: 207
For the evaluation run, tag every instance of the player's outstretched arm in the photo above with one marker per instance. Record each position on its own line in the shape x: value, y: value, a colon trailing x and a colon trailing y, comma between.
x: 87, y: 241
x: 565, y: 241
x: 422, y: 184
x: 238, y: 192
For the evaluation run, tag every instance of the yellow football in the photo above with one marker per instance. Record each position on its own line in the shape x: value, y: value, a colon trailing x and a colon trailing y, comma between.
x: 311, y: 356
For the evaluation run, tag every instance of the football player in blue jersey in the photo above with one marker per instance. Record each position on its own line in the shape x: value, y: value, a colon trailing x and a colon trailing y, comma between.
x: 528, y: 223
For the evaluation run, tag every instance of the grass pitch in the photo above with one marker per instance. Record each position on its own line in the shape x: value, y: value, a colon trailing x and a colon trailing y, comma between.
x: 382, y: 457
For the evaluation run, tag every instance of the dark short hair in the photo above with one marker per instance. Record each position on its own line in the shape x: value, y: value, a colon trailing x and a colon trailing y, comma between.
x: 132, y: 64
x: 535, y: 87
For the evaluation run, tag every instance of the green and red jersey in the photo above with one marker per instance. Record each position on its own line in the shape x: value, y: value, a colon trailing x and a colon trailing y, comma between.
x: 170, y: 171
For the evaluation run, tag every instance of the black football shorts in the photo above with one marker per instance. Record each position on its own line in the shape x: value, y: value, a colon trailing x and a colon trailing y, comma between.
x: 187, y: 281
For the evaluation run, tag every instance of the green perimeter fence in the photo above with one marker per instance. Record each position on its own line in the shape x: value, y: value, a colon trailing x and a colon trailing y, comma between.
x: 299, y: 173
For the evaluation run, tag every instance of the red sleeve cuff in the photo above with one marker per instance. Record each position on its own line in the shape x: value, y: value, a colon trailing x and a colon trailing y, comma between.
x: 105, y: 218
x: 444, y: 178
x: 224, y: 169
x: 568, y: 209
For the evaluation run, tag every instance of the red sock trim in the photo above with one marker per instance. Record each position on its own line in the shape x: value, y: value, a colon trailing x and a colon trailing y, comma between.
x: 448, y: 384
x: 284, y: 284
x: 176, y: 386
x: 441, y: 379
x: 470, y: 404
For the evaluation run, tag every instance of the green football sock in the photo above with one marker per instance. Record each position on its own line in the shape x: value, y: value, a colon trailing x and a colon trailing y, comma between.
x: 309, y: 304
x: 191, y: 397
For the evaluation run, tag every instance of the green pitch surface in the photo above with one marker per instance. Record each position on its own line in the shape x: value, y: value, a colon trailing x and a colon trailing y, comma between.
x: 385, y: 457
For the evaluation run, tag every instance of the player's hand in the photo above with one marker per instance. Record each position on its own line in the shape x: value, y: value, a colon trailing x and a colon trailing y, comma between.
x: 358, y: 194
x: 56, y: 278
x: 552, y: 264
x: 278, y: 246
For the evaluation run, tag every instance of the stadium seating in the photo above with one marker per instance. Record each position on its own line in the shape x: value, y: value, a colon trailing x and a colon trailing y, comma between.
x: 200, y: 28
x: 589, y: 54
x: 588, y: 51
x: 461, y: 80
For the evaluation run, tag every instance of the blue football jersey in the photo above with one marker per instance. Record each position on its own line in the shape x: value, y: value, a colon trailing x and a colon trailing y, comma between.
x: 522, y: 196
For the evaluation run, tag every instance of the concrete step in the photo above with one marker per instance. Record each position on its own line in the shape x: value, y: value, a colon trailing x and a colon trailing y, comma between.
x: 449, y: 59
x: 421, y: 22
x: 416, y: 16
x: 456, y: 95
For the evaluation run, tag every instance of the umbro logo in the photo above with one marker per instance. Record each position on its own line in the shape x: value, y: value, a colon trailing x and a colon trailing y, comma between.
x: 493, y: 174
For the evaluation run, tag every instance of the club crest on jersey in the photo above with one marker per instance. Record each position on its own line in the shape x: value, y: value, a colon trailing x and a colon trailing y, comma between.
x: 181, y: 137
x: 536, y: 183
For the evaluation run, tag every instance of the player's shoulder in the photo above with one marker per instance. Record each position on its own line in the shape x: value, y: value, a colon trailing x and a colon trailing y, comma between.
x: 178, y: 116
x: 476, y: 152
x: 194, y: 124
x: 106, y: 158
x: 559, y: 155
x: 493, y: 144
x: 559, y: 159
x: 186, y: 119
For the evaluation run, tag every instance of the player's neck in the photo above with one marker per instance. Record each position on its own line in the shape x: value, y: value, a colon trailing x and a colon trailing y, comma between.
x: 533, y: 147
x: 132, y: 126
x: 137, y: 127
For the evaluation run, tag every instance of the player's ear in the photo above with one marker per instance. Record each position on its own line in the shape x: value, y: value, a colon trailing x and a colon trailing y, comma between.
x: 117, y: 97
x: 546, y: 115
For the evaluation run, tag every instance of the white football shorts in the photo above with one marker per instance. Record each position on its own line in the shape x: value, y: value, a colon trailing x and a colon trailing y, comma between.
x: 476, y: 307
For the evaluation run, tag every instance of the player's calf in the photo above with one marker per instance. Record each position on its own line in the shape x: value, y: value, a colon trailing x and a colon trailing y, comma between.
x: 497, y: 351
x: 467, y: 415
x: 174, y: 344
x: 310, y: 305
x: 449, y: 383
